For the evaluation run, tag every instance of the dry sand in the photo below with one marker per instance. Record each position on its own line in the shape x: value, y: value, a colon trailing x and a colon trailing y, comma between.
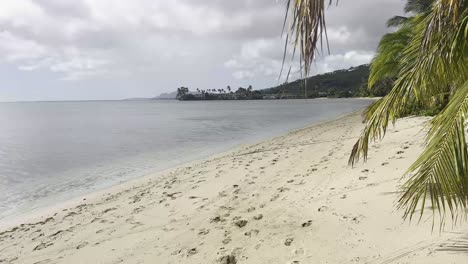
x: 291, y: 199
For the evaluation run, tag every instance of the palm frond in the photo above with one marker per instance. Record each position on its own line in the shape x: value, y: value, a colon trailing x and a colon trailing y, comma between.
x: 444, y: 12
x: 424, y: 75
x: 306, y: 29
x: 418, y: 6
x: 441, y: 171
x: 386, y: 63
x: 438, y: 68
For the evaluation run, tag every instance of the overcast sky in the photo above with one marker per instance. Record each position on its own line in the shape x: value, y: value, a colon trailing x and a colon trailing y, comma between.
x: 114, y: 49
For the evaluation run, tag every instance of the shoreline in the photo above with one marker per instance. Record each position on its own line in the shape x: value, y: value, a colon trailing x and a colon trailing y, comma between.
x: 42, y: 212
x: 286, y: 199
x: 69, y: 170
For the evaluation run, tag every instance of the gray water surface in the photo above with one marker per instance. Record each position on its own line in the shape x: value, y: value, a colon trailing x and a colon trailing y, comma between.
x: 53, y: 151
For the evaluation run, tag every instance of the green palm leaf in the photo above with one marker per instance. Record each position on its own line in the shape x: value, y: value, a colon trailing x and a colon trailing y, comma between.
x: 427, y: 73
x: 441, y: 171
x: 306, y: 29
x: 429, y: 59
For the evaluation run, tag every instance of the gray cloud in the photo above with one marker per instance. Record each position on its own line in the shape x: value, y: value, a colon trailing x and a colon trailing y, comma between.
x: 148, y: 46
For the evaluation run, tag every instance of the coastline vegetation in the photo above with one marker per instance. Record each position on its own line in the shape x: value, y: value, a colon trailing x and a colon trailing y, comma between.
x: 345, y: 83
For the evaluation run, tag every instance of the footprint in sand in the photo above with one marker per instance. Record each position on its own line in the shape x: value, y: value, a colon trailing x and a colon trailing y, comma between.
x: 288, y: 241
x: 275, y: 197
x: 42, y: 245
x: 241, y: 223
x: 228, y: 259
x: 251, y: 209
x: 306, y: 224
x: 82, y: 245
x: 192, y: 252
x: 299, y: 251
x: 226, y: 240
x: 252, y: 232
x: 323, y: 209
x: 204, y: 231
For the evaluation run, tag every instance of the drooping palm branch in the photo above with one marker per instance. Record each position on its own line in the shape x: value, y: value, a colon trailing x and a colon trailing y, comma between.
x: 306, y: 29
x: 419, y: 6
x: 432, y: 64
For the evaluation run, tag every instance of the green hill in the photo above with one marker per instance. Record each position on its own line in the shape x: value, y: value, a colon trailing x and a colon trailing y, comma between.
x: 340, y: 83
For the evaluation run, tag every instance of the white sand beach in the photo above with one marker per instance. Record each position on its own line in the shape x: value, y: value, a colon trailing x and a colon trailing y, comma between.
x: 290, y: 199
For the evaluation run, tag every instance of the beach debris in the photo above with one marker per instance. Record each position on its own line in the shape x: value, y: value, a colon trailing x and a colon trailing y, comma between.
x: 400, y: 152
x: 227, y: 240
x: 288, y: 242
x: 385, y: 163
x: 241, y: 223
x: 362, y: 178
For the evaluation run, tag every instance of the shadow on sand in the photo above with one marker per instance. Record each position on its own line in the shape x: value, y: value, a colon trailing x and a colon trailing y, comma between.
x: 456, y: 245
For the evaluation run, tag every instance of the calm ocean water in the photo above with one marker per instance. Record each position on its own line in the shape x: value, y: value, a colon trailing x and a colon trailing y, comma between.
x: 53, y: 151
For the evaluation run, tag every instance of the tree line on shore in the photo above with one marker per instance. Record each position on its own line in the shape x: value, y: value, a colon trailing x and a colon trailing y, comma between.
x: 184, y: 94
x: 345, y: 83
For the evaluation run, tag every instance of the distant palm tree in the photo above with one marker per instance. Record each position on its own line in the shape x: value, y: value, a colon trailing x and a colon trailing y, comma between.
x: 411, y: 7
x: 431, y: 62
